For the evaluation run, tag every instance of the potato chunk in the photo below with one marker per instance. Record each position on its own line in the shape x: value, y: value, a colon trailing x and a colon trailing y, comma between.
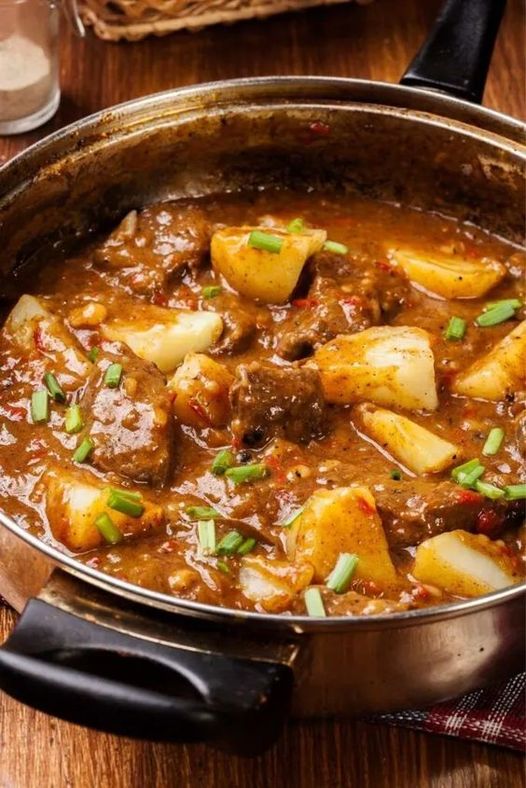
x: 343, y: 520
x: 34, y: 328
x: 165, y: 336
x: 499, y: 373
x: 416, y: 447
x: 266, y: 276
x: 201, y: 386
x: 463, y: 564
x: 272, y: 583
x: 23, y: 320
x: 72, y: 506
x: 447, y: 275
x: 388, y: 365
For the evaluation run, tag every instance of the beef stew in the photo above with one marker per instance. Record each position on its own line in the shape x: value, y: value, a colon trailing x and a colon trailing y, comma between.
x: 276, y: 402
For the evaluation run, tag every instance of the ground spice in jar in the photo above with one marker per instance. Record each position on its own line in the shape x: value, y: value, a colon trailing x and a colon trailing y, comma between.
x: 26, y: 79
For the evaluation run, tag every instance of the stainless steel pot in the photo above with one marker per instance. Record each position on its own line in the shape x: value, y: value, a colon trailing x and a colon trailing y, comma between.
x: 101, y: 652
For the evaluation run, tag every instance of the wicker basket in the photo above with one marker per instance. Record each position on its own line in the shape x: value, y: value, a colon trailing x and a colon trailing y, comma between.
x: 132, y: 20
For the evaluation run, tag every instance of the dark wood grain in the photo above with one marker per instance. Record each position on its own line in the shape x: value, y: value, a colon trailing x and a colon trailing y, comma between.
x: 375, y: 42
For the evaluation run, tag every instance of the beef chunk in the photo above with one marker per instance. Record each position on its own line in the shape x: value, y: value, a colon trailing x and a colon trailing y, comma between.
x: 151, y: 247
x: 241, y: 320
x: 327, y: 311
x: 238, y: 332
x: 269, y: 401
x: 345, y: 296
x: 130, y: 426
x: 417, y: 509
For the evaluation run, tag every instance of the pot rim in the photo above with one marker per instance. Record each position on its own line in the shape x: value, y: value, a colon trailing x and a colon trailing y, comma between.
x: 414, y: 101
x: 411, y: 99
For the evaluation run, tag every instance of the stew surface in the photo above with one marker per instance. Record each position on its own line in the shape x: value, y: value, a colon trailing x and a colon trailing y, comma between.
x: 276, y: 402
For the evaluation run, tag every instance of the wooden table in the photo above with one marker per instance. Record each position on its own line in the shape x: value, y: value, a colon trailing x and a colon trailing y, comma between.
x: 375, y: 42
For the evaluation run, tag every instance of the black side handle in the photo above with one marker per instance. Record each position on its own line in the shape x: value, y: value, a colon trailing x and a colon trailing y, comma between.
x: 455, y: 57
x: 93, y: 676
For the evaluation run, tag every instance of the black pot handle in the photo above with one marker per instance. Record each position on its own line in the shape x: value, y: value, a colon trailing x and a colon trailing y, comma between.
x: 456, y: 55
x: 94, y: 676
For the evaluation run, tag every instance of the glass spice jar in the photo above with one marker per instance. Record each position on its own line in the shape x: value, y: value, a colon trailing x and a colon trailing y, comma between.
x: 29, y: 81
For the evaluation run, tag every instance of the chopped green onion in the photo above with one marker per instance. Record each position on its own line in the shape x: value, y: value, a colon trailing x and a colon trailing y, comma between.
x: 108, y: 529
x: 335, y: 248
x: 515, y: 492
x: 340, y: 577
x: 292, y: 517
x: 395, y: 474
x: 133, y: 496
x: 230, y: 543
x: 93, y: 354
x: 515, y: 303
x: 493, y: 441
x: 497, y: 314
x: 211, y: 291
x: 222, y: 462
x: 247, y: 473
x: 54, y: 387
x: 224, y: 568
x: 464, y: 468
x: 206, y: 533
x: 202, y: 512
x: 265, y: 241
x: 247, y: 546
x: 83, y: 450
x: 469, y: 479
x: 40, y: 406
x: 456, y: 328
x: 126, y: 503
x: 314, y: 603
x: 296, y: 226
x: 112, y: 376
x: 74, y: 421
x: 468, y: 473
x: 490, y: 491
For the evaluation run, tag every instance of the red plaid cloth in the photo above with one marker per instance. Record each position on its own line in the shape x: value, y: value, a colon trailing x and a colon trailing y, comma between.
x: 495, y: 715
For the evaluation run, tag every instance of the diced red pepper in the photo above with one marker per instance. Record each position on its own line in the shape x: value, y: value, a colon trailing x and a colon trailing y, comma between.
x: 367, y: 587
x: 277, y: 468
x: 198, y: 408
x: 366, y: 507
x: 352, y: 301
x: 320, y: 129
x: 489, y: 522
x: 15, y: 413
x: 383, y: 266
x: 305, y: 303
x: 159, y: 298
x: 469, y: 496
x: 421, y: 593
